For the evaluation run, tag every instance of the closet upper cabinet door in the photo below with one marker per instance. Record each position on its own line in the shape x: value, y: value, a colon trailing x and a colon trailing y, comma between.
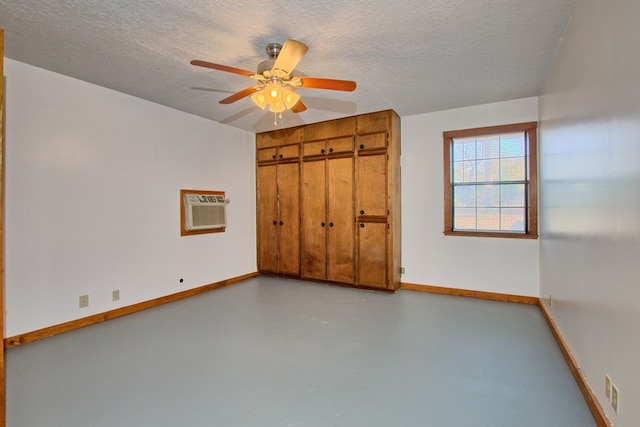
x: 372, y: 141
x: 371, y: 198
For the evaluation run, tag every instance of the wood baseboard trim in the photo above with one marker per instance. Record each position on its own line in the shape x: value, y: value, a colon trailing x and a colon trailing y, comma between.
x: 471, y: 294
x: 118, y: 312
x: 592, y: 402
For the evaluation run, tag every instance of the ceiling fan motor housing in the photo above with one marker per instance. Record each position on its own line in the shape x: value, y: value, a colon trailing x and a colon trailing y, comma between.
x: 273, y: 49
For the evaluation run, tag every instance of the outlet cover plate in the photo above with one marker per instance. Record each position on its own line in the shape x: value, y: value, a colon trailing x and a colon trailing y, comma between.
x: 615, y: 398
x: 84, y: 301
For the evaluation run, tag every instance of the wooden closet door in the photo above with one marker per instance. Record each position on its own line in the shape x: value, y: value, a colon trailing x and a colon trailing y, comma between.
x: 372, y: 185
x: 314, y: 221
x: 341, y: 221
x: 372, y: 254
x: 289, y: 218
x: 267, y: 218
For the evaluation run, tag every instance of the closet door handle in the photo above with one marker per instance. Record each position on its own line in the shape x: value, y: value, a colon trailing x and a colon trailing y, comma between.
x: 281, y: 222
x: 323, y: 224
x: 361, y: 212
x: 330, y: 224
x: 280, y: 156
x: 275, y: 222
x: 361, y: 225
x: 361, y: 146
x: 273, y: 157
x: 322, y: 151
x: 331, y: 150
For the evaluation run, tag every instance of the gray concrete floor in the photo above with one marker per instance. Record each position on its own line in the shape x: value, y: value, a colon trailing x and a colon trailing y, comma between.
x: 273, y: 352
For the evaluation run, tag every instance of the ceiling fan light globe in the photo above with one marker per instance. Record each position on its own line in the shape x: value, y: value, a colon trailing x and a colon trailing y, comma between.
x: 290, y: 98
x: 274, y: 92
x: 277, y: 107
x: 260, y: 100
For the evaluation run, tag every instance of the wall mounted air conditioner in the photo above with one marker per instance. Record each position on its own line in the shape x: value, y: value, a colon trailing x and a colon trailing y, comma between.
x: 204, y: 211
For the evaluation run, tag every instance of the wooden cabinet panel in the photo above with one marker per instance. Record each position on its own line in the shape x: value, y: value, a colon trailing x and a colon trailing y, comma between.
x: 289, y: 151
x: 375, y: 122
x: 314, y: 148
x: 330, y: 129
x: 341, y: 221
x: 340, y: 145
x: 289, y: 223
x: 372, y: 185
x: 372, y: 141
x: 278, y: 223
x: 285, y: 152
x: 314, y: 234
x: 326, y: 147
x: 279, y: 137
x: 267, y: 218
x: 327, y: 220
x: 267, y: 154
x: 372, y: 254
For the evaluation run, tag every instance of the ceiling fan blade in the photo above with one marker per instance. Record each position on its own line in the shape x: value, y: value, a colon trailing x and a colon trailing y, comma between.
x: 222, y: 68
x: 239, y: 95
x: 331, y: 84
x: 299, y: 107
x: 291, y: 53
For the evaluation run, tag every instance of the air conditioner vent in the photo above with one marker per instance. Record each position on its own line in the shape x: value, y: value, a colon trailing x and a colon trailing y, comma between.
x: 204, y: 211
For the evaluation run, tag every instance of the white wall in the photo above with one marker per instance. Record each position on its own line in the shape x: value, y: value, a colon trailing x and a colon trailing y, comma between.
x: 590, y: 187
x: 501, y: 265
x: 92, y: 199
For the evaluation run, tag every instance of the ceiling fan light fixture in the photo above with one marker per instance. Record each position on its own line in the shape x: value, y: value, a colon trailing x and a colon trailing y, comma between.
x: 290, y: 98
x: 274, y: 92
x: 259, y: 99
x: 278, y: 98
x: 277, y: 107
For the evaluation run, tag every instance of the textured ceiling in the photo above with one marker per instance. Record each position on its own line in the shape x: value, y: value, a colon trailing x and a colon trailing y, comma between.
x: 414, y: 56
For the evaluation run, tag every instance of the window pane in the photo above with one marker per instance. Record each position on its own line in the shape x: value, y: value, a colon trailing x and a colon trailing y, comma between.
x: 513, y: 219
x: 458, y: 171
x: 469, y: 171
x: 488, y: 170
x: 512, y: 169
x: 464, y: 196
x: 464, y: 219
x: 457, y: 151
x: 488, y: 148
x: 488, y: 196
x: 469, y: 150
x: 512, y: 195
x: 512, y: 145
x: 489, y: 219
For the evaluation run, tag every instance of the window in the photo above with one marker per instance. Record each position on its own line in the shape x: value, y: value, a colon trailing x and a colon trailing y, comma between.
x: 490, y: 181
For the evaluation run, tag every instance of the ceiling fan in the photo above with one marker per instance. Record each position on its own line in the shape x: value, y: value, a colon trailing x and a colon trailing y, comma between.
x: 276, y: 83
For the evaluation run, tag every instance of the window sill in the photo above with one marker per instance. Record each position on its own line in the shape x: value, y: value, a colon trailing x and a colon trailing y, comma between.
x: 490, y: 234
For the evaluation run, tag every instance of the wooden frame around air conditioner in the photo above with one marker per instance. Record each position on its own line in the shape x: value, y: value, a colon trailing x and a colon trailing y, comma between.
x: 184, y: 232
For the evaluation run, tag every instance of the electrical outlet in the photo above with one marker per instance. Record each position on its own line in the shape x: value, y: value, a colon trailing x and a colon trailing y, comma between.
x: 84, y: 301
x: 115, y: 295
x: 615, y: 398
x: 607, y: 387
x: 401, y: 270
